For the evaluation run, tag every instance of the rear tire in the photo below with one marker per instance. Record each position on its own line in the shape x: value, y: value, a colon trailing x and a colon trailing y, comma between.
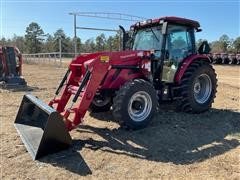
x: 135, y: 104
x: 238, y: 62
x: 198, y: 88
x: 226, y: 61
x: 100, y: 103
x: 219, y: 61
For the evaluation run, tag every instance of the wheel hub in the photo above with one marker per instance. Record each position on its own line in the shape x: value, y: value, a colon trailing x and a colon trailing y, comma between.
x: 197, y: 87
x: 139, y: 106
x: 202, y: 88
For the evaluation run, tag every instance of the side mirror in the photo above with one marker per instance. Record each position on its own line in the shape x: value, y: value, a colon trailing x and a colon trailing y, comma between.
x: 125, y: 37
x: 198, y: 30
x: 204, y: 48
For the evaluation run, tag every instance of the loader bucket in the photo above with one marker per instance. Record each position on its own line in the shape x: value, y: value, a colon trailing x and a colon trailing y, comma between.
x: 41, y: 128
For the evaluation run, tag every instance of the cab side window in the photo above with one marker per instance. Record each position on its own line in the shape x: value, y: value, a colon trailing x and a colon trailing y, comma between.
x: 179, y: 44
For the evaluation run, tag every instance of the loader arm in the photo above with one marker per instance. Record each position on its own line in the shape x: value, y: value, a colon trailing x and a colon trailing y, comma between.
x: 44, y: 128
x: 81, y: 87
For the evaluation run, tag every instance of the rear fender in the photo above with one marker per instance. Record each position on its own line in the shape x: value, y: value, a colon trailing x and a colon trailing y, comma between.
x: 185, y: 64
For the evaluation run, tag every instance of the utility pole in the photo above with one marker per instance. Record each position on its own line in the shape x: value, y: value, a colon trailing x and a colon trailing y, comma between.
x: 75, y: 34
x: 120, y: 40
x: 60, y: 50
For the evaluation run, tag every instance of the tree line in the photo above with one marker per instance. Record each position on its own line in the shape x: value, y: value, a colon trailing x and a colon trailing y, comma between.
x: 224, y: 44
x: 36, y: 41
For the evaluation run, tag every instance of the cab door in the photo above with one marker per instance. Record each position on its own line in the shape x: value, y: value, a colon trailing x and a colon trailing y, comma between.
x: 179, y: 45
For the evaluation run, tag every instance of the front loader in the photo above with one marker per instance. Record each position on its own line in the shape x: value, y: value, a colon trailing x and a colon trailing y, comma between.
x: 159, y: 63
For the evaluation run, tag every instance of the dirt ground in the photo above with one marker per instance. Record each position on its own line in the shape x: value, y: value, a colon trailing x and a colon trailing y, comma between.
x: 174, y: 146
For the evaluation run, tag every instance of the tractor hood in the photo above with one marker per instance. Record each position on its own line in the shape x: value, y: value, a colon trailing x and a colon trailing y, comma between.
x: 129, y: 57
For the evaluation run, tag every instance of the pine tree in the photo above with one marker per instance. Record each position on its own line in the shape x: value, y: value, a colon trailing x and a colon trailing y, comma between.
x: 34, y: 38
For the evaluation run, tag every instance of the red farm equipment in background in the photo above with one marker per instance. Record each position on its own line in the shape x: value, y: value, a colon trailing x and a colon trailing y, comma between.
x: 11, y: 67
x: 159, y: 63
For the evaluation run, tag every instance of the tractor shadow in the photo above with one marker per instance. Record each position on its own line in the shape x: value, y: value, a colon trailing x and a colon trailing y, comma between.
x: 107, y: 116
x: 104, y: 116
x: 70, y: 160
x: 22, y: 88
x: 171, y: 137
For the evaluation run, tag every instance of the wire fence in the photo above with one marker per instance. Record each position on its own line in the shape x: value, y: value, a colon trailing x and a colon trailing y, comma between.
x: 52, y: 58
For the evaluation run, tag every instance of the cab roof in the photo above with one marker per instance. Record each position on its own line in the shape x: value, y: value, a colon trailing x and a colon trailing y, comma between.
x: 171, y: 19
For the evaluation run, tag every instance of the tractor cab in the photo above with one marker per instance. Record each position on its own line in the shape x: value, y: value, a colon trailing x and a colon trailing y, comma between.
x: 170, y: 39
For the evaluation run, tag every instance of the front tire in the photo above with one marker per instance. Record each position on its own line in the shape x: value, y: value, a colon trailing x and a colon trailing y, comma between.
x: 198, y: 88
x: 135, y: 104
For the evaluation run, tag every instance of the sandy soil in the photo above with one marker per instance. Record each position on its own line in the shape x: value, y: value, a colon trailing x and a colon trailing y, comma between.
x: 174, y: 146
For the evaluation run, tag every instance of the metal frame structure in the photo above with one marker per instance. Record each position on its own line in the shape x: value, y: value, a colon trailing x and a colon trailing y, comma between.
x: 56, y: 58
x: 103, y: 15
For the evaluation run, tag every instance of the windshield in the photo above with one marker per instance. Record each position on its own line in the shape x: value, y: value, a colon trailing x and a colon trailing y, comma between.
x: 148, y: 39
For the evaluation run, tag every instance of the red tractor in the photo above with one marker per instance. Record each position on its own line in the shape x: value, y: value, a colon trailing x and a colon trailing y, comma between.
x: 161, y: 64
x: 232, y: 59
x: 225, y: 58
x: 217, y: 59
x: 11, y: 67
x: 238, y: 58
